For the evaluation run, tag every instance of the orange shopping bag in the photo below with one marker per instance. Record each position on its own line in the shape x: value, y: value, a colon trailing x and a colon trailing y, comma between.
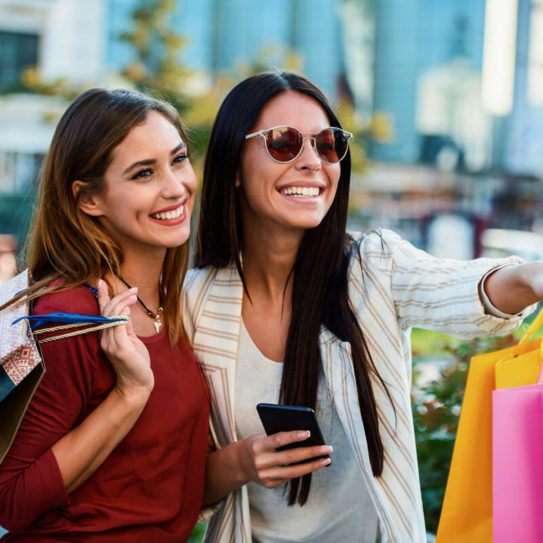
x: 466, y: 515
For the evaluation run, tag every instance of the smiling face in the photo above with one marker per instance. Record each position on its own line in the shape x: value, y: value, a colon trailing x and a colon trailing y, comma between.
x: 293, y: 196
x: 149, y: 186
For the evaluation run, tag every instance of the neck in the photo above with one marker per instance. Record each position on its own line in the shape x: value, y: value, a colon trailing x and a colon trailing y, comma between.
x: 144, y: 272
x: 268, y: 259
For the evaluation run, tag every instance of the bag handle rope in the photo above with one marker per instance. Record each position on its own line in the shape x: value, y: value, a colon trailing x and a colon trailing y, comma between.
x: 532, y: 329
x: 120, y: 320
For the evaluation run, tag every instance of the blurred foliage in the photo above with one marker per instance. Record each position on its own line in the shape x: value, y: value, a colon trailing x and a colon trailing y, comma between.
x: 436, y: 409
x: 157, y: 70
x: 198, y: 533
x: 33, y: 81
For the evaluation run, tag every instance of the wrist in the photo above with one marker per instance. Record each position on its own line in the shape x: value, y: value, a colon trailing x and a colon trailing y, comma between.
x: 242, y: 462
x: 133, y: 396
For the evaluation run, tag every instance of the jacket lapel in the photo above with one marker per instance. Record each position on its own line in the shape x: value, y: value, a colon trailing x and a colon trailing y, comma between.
x: 215, y: 344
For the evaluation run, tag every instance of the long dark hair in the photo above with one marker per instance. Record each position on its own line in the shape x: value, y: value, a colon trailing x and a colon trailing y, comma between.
x: 320, y: 284
x: 65, y: 243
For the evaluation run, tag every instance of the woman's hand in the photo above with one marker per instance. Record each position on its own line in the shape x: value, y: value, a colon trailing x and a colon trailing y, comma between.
x: 256, y: 459
x: 263, y: 464
x: 126, y: 352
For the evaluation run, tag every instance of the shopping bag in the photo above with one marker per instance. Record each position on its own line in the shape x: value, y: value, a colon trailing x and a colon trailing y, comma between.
x: 21, y: 364
x: 19, y: 354
x: 524, y: 366
x: 466, y: 514
x: 517, y: 469
x: 21, y: 367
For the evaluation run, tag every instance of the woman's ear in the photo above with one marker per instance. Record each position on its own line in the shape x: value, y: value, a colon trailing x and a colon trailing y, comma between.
x: 237, y: 183
x: 86, y: 201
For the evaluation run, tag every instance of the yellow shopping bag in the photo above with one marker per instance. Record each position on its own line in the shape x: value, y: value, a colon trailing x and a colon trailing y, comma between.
x: 466, y: 515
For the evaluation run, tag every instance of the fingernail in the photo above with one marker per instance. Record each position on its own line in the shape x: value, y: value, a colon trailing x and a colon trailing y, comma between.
x: 100, y: 282
x: 304, y: 435
x: 326, y: 462
x: 328, y: 449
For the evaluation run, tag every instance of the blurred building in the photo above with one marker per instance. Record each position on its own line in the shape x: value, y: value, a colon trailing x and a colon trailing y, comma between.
x: 79, y: 41
x: 64, y: 38
x: 423, y: 63
x: 224, y: 33
x: 471, y: 120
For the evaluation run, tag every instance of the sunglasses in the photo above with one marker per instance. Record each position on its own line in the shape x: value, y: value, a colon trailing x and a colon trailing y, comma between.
x: 284, y: 143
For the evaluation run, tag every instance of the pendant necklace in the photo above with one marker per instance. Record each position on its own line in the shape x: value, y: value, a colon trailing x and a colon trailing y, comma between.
x: 157, y: 317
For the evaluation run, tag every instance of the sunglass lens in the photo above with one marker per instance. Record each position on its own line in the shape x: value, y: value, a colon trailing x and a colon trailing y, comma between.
x: 284, y: 143
x: 332, y: 144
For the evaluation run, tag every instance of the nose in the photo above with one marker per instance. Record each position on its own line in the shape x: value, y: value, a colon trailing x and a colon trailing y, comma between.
x: 173, y: 185
x: 308, y: 159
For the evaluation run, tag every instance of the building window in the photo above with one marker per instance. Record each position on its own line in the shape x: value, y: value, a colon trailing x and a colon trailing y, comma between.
x: 18, y: 51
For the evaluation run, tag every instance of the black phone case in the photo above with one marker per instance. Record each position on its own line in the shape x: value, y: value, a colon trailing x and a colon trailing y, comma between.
x: 284, y: 418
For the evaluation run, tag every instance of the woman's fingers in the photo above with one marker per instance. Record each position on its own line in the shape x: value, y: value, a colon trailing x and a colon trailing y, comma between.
x: 280, y: 439
x: 273, y: 468
x: 103, y: 294
x: 278, y: 475
x: 129, y: 357
x: 292, y: 456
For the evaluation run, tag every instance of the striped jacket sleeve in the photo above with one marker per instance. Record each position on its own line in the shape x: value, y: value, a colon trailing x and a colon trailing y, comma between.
x: 435, y: 293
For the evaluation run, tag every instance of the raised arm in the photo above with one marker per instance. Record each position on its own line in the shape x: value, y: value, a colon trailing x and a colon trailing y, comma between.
x: 80, y: 452
x: 54, y: 452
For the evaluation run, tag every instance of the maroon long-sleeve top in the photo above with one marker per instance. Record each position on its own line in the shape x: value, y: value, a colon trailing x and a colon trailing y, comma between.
x: 149, y: 488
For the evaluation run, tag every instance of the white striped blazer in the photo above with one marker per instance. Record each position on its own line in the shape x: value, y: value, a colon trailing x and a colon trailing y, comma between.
x: 392, y: 287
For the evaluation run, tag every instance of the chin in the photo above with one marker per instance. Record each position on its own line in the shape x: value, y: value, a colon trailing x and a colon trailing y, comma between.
x: 306, y: 223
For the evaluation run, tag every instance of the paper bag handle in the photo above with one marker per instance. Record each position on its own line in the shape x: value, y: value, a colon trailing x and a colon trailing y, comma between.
x: 533, y: 328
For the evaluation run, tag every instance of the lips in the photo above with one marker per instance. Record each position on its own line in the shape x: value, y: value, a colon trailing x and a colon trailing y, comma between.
x: 169, y: 215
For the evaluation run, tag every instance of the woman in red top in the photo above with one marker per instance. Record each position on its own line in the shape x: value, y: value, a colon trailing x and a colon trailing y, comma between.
x: 111, y: 449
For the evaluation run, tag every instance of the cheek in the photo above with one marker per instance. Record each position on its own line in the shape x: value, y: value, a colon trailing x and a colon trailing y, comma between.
x: 333, y: 177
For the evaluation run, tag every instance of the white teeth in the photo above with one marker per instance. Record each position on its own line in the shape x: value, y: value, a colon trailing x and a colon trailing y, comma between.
x: 169, y: 215
x: 308, y: 192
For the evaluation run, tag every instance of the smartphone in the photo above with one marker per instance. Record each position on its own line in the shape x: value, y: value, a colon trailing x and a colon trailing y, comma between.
x: 284, y: 418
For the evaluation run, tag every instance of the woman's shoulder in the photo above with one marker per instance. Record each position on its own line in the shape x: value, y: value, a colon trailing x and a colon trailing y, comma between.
x: 198, y: 279
x: 80, y: 299
x: 379, y: 241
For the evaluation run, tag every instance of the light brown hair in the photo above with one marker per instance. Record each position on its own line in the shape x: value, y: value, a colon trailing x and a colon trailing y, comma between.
x: 65, y: 243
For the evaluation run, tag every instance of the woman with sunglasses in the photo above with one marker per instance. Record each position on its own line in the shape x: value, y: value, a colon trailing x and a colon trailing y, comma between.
x: 112, y: 450
x: 286, y: 307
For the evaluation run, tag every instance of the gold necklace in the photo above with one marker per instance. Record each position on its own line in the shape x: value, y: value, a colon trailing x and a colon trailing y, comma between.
x: 157, y: 317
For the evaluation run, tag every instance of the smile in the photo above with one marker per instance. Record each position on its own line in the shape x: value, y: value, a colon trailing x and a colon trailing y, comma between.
x: 304, y: 192
x: 169, y: 215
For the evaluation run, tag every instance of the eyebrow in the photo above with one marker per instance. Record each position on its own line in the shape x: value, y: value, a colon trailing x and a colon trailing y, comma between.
x: 151, y: 161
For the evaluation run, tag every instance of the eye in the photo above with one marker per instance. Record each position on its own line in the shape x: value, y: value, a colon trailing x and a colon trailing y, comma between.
x: 181, y: 157
x: 141, y: 174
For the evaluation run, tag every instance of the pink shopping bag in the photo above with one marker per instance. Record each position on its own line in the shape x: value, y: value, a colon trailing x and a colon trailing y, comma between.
x: 517, y: 467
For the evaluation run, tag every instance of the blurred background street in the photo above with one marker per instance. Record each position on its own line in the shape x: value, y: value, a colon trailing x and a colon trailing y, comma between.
x: 445, y: 98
